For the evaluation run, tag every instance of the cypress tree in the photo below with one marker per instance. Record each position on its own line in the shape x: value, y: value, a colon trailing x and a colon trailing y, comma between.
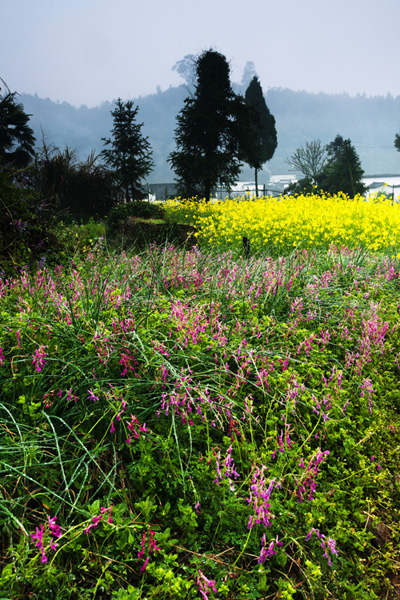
x: 261, y: 142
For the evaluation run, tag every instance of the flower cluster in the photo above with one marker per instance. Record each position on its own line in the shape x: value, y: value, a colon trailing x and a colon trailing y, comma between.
x: 312, y: 220
x: 307, y: 484
x: 327, y: 544
x: 205, y: 585
x: 366, y: 392
x: 268, y: 552
x: 152, y: 547
x: 136, y: 428
x: 55, y: 533
x: 39, y: 358
x: 229, y: 469
x: 260, y: 492
x: 96, y: 520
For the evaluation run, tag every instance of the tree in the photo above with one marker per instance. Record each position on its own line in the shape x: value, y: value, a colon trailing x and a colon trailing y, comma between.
x: 130, y: 155
x: 261, y: 141
x: 310, y: 160
x: 249, y: 72
x: 208, y: 131
x: 343, y: 171
x: 186, y: 68
x: 17, y: 141
x: 397, y: 142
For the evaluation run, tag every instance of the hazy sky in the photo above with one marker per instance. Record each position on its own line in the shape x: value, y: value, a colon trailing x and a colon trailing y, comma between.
x: 89, y: 51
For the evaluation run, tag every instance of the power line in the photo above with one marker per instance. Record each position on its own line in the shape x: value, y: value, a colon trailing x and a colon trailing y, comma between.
x: 363, y: 145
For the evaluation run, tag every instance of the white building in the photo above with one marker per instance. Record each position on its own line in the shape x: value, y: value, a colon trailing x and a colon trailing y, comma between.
x: 387, y: 184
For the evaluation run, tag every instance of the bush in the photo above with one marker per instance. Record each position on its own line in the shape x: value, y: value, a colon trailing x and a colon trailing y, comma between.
x: 137, y: 209
x: 82, y: 189
x: 26, y: 223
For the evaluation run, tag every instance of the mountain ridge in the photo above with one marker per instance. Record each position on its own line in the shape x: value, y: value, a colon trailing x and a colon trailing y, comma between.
x: 371, y: 123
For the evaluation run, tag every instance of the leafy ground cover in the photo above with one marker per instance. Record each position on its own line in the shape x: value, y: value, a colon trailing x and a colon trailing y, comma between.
x: 189, y: 424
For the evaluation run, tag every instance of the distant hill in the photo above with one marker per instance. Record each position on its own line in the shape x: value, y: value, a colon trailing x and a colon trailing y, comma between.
x: 370, y: 122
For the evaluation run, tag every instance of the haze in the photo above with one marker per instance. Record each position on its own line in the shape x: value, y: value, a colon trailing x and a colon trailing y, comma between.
x: 90, y: 51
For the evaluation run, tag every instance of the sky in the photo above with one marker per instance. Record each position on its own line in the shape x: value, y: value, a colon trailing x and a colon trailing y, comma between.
x: 92, y: 51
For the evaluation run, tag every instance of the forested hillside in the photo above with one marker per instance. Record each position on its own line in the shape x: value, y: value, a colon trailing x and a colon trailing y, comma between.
x: 370, y: 122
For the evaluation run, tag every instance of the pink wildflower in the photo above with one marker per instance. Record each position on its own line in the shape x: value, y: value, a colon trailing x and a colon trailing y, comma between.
x: 205, y: 584
x: 39, y: 358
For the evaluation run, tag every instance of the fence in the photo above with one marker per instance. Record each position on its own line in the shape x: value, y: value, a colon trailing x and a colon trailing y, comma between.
x: 248, y: 191
x: 164, y: 191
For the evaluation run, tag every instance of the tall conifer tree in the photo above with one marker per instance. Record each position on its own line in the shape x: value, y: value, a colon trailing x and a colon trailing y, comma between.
x: 130, y: 155
x: 261, y: 142
x: 207, y: 135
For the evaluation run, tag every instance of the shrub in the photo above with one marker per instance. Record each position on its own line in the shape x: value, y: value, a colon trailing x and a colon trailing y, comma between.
x: 81, y: 189
x: 26, y: 222
x: 137, y: 208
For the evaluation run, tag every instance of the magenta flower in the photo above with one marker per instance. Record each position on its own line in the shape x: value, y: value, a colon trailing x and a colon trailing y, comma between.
x: 141, y: 552
x: 38, y: 535
x: 268, y: 552
x: 55, y: 529
x: 96, y: 520
x: 205, y: 584
x: 260, y: 492
x: 152, y: 547
x: 307, y: 484
x: 144, y: 565
x: 328, y: 545
x: 92, y: 396
x: 39, y: 358
x: 55, y: 532
x: 44, y: 557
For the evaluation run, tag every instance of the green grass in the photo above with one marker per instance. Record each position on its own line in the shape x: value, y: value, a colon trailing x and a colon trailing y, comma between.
x: 160, y: 404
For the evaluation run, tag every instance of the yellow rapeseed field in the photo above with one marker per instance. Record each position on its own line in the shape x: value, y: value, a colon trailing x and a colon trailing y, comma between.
x: 305, y: 221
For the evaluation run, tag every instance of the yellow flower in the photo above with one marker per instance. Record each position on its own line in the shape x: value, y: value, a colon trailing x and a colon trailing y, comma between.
x: 311, y: 220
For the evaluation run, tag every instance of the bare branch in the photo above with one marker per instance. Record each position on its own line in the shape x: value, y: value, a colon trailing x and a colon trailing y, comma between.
x: 309, y: 160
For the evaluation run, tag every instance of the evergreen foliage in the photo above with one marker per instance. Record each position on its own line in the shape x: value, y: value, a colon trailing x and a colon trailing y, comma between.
x: 334, y: 168
x: 343, y: 171
x: 130, y: 154
x: 262, y: 141
x: 208, y: 131
x: 397, y: 142
x: 16, y: 137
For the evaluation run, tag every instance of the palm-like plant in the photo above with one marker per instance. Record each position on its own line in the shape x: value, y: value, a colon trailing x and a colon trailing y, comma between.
x: 16, y: 137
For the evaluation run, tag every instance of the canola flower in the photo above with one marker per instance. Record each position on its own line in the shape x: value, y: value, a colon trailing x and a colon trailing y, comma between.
x: 284, y: 223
